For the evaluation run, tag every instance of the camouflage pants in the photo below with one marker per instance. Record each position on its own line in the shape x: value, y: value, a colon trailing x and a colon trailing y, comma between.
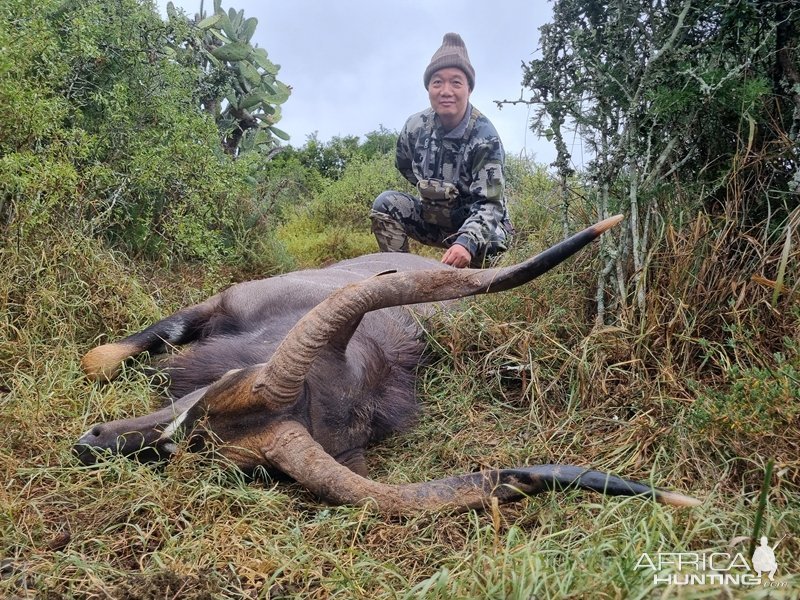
x: 397, y: 216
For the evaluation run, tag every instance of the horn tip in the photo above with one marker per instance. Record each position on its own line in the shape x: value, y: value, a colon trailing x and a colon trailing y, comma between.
x: 607, y: 224
x: 675, y: 499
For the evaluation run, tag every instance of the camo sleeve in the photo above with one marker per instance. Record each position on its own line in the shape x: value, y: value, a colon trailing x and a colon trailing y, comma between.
x: 404, y: 159
x: 487, y: 198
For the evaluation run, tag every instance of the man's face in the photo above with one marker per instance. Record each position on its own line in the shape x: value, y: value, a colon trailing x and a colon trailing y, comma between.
x: 448, y: 91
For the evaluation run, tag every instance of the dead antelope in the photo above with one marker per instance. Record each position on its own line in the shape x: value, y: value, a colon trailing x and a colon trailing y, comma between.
x: 300, y: 373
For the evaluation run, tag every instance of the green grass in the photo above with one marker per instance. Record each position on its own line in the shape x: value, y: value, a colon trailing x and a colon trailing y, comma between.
x: 313, y: 243
x: 514, y: 379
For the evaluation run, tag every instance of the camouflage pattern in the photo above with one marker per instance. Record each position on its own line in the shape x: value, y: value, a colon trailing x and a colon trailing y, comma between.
x: 397, y: 216
x: 459, y: 177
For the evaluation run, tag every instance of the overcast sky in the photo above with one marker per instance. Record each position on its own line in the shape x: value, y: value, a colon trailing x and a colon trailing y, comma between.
x: 357, y: 64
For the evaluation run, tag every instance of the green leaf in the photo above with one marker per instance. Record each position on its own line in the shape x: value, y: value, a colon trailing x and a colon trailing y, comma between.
x: 269, y: 117
x: 227, y: 26
x: 260, y: 58
x: 240, y: 87
x: 209, y: 22
x: 779, y: 281
x: 233, y: 51
x: 280, y: 133
x: 249, y: 29
x: 232, y: 100
x: 236, y: 21
x: 220, y: 35
x: 282, y: 92
x: 218, y: 64
x: 251, y: 100
x: 249, y: 72
x: 226, y: 123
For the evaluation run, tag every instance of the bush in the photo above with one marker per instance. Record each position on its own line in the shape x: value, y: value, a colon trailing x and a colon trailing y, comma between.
x: 335, y: 223
x: 753, y: 411
x: 530, y: 193
x: 103, y: 133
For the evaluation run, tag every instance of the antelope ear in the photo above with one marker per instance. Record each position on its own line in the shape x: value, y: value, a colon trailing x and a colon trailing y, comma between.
x: 184, y: 409
x: 231, y: 392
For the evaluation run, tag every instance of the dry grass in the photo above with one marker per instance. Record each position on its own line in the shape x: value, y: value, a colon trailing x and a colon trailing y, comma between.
x: 514, y: 379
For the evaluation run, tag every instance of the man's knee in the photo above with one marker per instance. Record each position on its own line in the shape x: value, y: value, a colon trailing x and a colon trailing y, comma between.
x: 389, y: 232
x: 384, y: 202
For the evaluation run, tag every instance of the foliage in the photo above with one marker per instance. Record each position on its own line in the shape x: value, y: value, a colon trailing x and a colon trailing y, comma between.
x: 691, y: 111
x: 334, y: 223
x: 237, y: 83
x: 330, y: 158
x: 378, y: 142
x: 530, y: 194
x: 764, y: 401
x: 153, y: 180
x: 323, y: 192
x: 682, y: 92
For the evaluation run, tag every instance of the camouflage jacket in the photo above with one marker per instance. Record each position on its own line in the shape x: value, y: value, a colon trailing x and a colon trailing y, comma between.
x: 425, y: 151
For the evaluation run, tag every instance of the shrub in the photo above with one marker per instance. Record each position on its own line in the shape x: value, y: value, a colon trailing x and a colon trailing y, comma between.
x: 335, y: 222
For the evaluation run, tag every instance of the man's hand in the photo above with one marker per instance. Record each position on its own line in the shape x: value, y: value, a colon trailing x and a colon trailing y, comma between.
x: 457, y: 256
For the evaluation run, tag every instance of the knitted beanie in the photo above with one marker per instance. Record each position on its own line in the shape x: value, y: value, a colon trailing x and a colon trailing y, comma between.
x: 453, y: 53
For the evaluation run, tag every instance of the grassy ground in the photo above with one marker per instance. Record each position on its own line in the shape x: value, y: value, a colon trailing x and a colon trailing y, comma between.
x: 514, y: 379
